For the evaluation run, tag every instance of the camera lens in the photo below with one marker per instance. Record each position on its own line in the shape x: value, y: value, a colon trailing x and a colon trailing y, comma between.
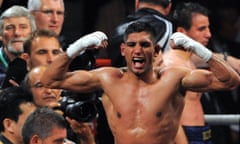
x: 81, y: 111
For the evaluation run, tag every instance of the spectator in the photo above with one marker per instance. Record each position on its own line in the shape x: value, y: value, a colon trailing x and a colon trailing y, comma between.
x: 16, y: 24
x: 41, y: 48
x: 41, y: 96
x: 49, y: 15
x: 44, y: 126
x: 15, y: 105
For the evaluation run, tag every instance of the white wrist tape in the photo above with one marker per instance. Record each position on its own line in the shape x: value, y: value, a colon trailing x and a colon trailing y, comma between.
x: 79, y: 46
x: 189, y: 44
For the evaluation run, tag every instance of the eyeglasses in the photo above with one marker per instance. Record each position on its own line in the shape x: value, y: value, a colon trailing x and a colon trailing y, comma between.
x: 50, y: 13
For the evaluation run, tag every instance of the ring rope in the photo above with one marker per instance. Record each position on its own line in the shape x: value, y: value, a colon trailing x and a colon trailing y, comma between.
x: 223, y: 119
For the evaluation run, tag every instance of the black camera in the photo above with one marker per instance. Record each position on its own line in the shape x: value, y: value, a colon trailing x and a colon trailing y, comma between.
x: 82, y: 111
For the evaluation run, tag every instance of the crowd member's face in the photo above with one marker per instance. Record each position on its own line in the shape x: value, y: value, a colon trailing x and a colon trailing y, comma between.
x: 139, y: 52
x: 15, y: 31
x: 57, y: 136
x: 42, y: 96
x: 199, y: 30
x: 27, y: 109
x: 43, y: 51
x: 50, y: 16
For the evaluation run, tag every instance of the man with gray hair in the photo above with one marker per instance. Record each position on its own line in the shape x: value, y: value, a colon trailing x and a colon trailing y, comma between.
x: 48, y: 14
x: 16, y: 25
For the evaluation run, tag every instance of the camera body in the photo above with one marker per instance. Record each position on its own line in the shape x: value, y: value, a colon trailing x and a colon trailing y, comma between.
x: 82, y: 111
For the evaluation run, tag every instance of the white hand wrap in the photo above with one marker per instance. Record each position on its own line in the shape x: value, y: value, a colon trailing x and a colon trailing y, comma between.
x: 79, y: 46
x: 189, y: 44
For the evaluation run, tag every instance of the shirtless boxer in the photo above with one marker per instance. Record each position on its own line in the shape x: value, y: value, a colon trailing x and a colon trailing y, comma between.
x: 141, y: 106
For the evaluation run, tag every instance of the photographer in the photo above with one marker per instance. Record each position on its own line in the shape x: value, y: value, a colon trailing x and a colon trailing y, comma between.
x: 80, y: 132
